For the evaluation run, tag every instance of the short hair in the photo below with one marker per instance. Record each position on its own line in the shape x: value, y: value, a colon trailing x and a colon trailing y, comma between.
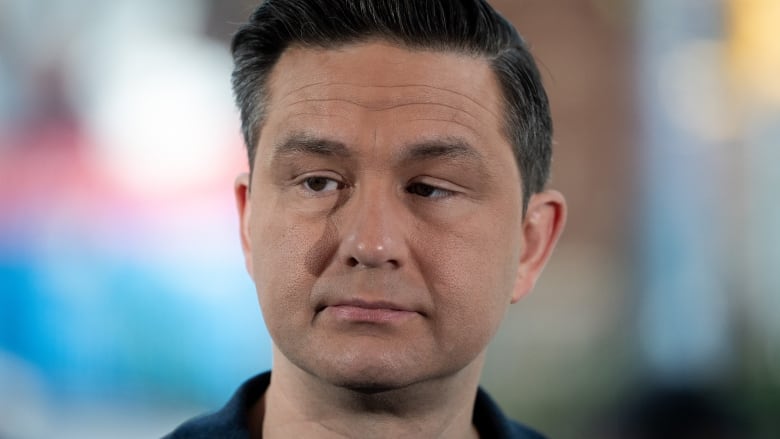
x: 469, y: 27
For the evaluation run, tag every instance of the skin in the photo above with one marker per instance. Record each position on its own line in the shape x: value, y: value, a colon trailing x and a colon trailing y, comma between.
x: 383, y: 229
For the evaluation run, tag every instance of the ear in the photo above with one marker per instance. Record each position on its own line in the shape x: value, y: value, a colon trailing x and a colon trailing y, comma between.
x: 542, y: 225
x: 243, y: 203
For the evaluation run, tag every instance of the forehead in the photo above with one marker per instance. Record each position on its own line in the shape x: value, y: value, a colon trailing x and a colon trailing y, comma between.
x: 379, y: 77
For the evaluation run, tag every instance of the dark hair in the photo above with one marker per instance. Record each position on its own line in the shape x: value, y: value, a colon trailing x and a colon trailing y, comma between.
x: 463, y: 26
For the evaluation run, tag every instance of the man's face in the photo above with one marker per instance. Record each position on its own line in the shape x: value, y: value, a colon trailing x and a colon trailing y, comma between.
x: 383, y: 228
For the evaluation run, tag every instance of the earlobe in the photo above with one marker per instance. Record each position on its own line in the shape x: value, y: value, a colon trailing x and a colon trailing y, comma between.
x: 542, y: 226
x: 243, y: 204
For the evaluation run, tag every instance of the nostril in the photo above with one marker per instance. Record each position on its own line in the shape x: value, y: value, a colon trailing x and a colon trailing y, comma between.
x: 353, y: 262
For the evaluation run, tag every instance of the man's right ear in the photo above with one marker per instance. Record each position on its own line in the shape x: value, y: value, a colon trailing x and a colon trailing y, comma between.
x: 244, y: 205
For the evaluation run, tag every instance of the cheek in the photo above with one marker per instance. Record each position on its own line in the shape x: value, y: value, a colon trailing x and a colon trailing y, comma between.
x: 470, y: 271
x: 483, y: 250
x: 284, y: 254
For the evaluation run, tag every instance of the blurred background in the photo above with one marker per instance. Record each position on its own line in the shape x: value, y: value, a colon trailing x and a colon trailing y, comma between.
x: 125, y: 308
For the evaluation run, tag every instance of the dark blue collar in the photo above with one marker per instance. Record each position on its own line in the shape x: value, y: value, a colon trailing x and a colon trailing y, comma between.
x: 230, y: 421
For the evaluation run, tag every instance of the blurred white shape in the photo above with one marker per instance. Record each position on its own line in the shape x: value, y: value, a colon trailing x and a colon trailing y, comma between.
x: 694, y: 91
x: 164, y: 119
x: 156, y: 99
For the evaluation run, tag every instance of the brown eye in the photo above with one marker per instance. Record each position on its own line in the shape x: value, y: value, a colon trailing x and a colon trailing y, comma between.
x: 427, y: 191
x: 420, y: 189
x: 321, y: 184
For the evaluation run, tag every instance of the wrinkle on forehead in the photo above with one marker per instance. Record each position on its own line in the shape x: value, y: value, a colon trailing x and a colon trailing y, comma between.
x: 389, y: 106
x: 413, y: 102
x: 430, y: 92
x: 320, y: 108
x: 373, y: 93
x: 379, y: 75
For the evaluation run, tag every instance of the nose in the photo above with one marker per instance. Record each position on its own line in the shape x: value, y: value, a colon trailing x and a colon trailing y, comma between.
x: 373, y: 234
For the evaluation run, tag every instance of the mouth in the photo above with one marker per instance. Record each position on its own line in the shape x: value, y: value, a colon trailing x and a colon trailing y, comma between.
x: 362, y: 311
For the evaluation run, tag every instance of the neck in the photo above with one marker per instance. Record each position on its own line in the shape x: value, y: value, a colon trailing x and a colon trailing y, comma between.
x: 298, y: 404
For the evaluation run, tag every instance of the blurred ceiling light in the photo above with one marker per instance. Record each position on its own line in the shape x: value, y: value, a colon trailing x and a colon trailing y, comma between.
x: 165, y: 119
x: 155, y: 98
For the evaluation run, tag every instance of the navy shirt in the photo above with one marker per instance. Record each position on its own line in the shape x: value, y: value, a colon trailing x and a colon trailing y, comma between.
x: 230, y: 421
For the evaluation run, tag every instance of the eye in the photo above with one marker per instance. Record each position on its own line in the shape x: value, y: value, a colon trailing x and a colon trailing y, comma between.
x: 321, y: 184
x: 428, y: 191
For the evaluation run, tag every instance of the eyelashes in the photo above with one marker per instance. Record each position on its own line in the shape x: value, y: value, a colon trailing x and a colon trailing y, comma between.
x: 323, y: 185
x: 320, y: 184
x: 428, y: 191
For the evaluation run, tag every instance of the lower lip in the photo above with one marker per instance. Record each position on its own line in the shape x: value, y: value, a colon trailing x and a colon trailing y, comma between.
x: 368, y: 315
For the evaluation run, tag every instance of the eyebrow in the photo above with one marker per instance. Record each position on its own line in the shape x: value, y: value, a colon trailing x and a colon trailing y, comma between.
x: 304, y: 143
x: 449, y: 148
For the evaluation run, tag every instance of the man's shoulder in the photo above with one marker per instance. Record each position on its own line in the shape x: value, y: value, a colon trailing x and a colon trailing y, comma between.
x: 230, y: 421
x: 491, y: 422
x: 519, y: 431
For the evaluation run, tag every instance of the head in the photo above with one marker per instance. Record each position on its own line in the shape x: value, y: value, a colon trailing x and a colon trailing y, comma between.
x: 469, y: 27
x: 395, y: 208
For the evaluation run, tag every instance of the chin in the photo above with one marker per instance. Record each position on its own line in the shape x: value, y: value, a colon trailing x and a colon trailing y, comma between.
x: 369, y: 372
x: 376, y: 381
x: 370, y: 387
x: 369, y: 365
x: 370, y: 377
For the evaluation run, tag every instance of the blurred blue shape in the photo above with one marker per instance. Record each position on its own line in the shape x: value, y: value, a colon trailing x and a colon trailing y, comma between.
x: 684, y: 315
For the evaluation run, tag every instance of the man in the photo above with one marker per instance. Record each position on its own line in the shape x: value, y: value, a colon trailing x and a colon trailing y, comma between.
x: 393, y: 210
